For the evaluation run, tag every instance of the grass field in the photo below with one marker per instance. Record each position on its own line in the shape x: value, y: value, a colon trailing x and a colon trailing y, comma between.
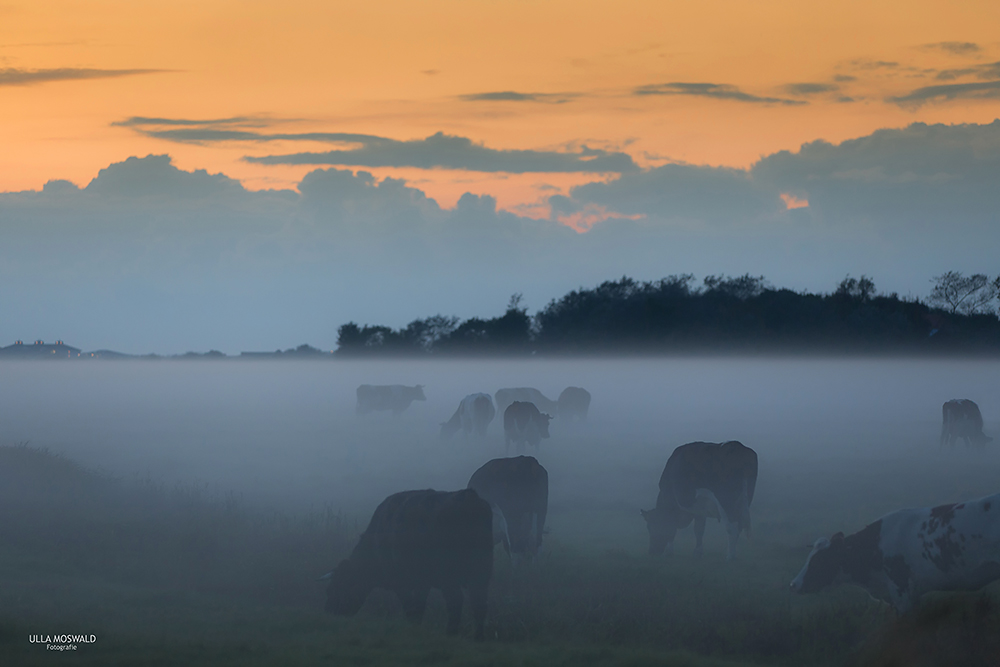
x: 201, y: 572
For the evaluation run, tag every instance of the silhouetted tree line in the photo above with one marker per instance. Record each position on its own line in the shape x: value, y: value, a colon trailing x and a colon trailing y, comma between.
x: 741, y: 314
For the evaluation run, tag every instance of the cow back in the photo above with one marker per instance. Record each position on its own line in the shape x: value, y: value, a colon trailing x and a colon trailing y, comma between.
x: 724, y: 469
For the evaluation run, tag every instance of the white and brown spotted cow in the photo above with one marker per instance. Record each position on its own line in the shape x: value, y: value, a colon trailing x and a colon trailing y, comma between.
x: 911, y: 552
x: 474, y: 414
x: 961, y: 418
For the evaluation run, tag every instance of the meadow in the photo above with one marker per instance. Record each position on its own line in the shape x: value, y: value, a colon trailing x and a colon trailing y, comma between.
x: 181, y: 512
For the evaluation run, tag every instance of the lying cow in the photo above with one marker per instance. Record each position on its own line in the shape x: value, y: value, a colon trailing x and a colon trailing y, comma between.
x: 395, y: 397
x: 524, y: 424
x: 701, y: 480
x: 519, y: 487
x: 573, y: 404
x: 418, y: 540
x: 911, y: 552
x: 474, y: 414
x: 960, y: 418
x: 505, y: 397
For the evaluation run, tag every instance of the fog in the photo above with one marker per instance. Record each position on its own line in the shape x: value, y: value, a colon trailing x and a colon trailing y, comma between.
x: 284, y: 434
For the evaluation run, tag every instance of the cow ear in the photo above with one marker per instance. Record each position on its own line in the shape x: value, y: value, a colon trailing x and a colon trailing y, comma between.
x: 644, y: 513
x: 837, y: 538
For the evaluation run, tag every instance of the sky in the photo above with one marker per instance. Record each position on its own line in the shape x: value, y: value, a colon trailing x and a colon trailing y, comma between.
x: 250, y: 175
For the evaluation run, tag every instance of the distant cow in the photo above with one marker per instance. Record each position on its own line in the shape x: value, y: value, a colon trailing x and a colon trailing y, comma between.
x: 418, y: 540
x: 573, y: 404
x: 960, y: 418
x: 524, y: 424
x: 395, y: 397
x: 700, y: 480
x: 911, y: 552
x: 520, y: 488
x: 505, y: 397
x: 474, y: 414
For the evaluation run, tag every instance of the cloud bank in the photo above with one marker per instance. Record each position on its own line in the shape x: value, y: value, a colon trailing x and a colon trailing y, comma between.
x: 26, y: 77
x: 148, y: 257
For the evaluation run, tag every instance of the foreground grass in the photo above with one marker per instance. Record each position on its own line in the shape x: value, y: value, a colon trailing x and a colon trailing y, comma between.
x: 168, y: 576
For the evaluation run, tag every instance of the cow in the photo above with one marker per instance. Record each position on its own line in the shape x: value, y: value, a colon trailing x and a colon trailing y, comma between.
x: 395, y: 397
x: 910, y: 552
x: 573, y: 404
x: 415, y: 541
x: 701, y: 480
x: 524, y: 424
x: 960, y: 418
x: 519, y: 487
x: 505, y: 397
x: 474, y: 414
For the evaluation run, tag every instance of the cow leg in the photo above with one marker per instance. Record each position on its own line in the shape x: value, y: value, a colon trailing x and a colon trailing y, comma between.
x: 453, y: 601
x: 414, y: 603
x: 699, y: 533
x: 478, y: 596
x: 733, y: 531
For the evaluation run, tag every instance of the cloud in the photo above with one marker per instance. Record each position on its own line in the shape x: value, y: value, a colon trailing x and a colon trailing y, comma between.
x: 868, y: 64
x: 954, y: 48
x: 151, y: 257
x: 712, y: 90
x: 844, y: 78
x: 512, y: 96
x: 451, y: 152
x: 24, y: 77
x: 143, y: 121
x: 810, y: 88
x: 946, y: 92
x: 984, y: 71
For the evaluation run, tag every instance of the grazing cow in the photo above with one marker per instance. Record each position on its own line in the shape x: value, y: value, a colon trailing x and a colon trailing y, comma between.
x: 395, y: 397
x: 474, y: 413
x: 520, y: 488
x: 573, y: 404
x: 960, y: 418
x: 700, y: 480
x: 911, y: 552
x: 418, y: 540
x: 523, y: 423
x: 505, y: 397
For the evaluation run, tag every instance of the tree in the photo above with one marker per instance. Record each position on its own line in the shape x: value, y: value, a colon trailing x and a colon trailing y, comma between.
x: 972, y: 295
x: 861, y: 289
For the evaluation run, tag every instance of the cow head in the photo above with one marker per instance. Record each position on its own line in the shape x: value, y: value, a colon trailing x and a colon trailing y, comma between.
x: 660, y: 533
x: 418, y: 393
x: 347, y: 590
x: 449, y: 429
x: 825, y: 563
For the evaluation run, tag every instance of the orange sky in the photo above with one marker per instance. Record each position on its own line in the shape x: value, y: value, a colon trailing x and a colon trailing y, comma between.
x: 398, y: 70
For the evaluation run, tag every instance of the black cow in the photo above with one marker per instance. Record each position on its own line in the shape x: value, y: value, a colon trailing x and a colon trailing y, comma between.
x: 418, y: 540
x: 523, y: 423
x: 504, y: 397
x: 573, y: 404
x: 520, y: 488
x: 703, y: 479
x: 395, y: 397
x: 960, y: 418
